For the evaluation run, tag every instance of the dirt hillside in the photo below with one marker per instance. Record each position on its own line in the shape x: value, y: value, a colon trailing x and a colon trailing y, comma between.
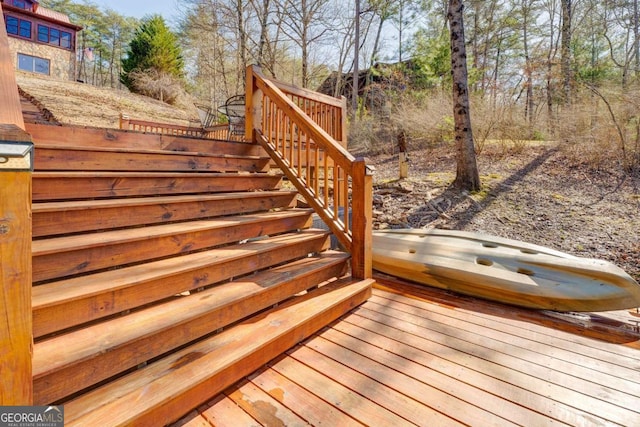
x: 87, y: 105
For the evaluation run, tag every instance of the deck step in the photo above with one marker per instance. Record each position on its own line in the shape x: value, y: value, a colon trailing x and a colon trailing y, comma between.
x: 66, y: 303
x: 70, y: 362
x: 67, y: 217
x: 48, y: 186
x: 51, y: 157
x: 59, y: 257
x: 165, y: 390
x: 79, y: 136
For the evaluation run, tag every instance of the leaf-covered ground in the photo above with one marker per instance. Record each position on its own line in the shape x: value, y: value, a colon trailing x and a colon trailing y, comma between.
x: 86, y: 105
x: 534, y: 194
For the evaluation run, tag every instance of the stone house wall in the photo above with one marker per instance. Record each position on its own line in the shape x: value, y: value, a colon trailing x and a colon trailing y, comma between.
x: 62, y: 62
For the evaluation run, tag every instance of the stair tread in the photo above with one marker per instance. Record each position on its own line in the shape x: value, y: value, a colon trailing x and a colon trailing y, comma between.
x: 67, y: 349
x: 79, y: 287
x: 70, y: 362
x: 166, y: 389
x: 90, y: 240
x: 113, y: 159
x: 39, y: 207
x: 69, y: 302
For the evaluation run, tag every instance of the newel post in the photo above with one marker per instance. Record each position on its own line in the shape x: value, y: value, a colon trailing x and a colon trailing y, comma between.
x: 253, y: 103
x: 362, y: 227
x: 16, y: 163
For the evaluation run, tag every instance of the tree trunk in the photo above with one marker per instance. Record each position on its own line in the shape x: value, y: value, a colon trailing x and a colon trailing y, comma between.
x: 467, y: 176
x: 565, y: 52
x: 356, y: 63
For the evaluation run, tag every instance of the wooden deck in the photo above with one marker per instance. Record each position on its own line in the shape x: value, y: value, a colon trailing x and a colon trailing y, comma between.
x: 412, y: 356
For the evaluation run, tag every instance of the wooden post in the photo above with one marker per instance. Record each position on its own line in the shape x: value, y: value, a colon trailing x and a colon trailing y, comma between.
x: 253, y: 105
x: 362, y: 227
x: 16, y: 339
x: 402, y: 155
x: 124, y: 121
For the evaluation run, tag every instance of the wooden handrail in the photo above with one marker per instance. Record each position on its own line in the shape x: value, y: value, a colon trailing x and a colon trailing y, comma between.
x: 16, y: 335
x: 336, y: 184
x: 220, y: 131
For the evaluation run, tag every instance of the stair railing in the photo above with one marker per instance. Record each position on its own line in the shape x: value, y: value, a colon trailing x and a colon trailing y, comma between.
x: 304, y: 133
x: 16, y: 163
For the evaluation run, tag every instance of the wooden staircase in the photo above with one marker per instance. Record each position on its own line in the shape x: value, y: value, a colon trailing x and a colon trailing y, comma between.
x: 165, y: 269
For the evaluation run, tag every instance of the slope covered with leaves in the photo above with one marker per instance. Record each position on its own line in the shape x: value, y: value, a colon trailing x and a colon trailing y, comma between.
x: 86, y: 105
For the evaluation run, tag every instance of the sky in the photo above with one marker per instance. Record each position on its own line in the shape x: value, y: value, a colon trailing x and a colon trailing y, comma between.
x: 140, y: 8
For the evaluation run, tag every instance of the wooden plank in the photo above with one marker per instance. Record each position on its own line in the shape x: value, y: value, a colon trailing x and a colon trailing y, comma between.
x: 79, y: 136
x: 476, y: 389
x: 307, y: 405
x: 514, y: 370
x: 106, y: 159
x: 609, y: 334
x: 86, y: 185
x: 15, y: 286
x: 193, y: 419
x: 163, y: 391
x: 362, y: 220
x: 349, y: 401
x: 225, y: 412
x: 69, y: 255
x: 481, y: 375
x: 67, y: 363
x: 51, y: 218
x: 389, y: 389
x: 612, y: 374
x: 515, y: 321
x: 62, y: 304
x: 262, y: 407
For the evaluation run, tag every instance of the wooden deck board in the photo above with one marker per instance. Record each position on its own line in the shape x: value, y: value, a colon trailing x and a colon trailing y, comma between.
x: 428, y: 357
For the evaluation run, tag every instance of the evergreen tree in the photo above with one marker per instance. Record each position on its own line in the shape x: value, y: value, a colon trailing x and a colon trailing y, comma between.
x: 154, y: 50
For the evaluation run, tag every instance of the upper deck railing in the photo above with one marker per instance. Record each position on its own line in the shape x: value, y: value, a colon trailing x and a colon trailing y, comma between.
x: 304, y: 133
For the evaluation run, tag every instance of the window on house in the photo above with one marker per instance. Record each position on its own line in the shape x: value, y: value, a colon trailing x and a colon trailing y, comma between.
x: 22, y: 4
x: 33, y: 64
x: 19, y: 27
x: 54, y: 36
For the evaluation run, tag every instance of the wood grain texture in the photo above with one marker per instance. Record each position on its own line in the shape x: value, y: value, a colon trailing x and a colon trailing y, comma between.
x: 71, y: 362
x: 15, y: 288
x: 15, y: 246
x: 49, y: 186
x: 62, y: 304
x: 69, y: 255
x: 52, y: 218
x: 164, y: 389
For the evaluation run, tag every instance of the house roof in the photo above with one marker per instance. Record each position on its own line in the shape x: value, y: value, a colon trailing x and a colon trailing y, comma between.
x: 52, y: 14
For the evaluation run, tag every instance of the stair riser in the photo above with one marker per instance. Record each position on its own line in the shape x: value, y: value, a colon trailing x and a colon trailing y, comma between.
x: 53, y: 222
x: 69, y: 187
x: 54, y: 318
x: 85, y: 160
x: 76, y: 136
x: 86, y: 259
x: 111, y: 361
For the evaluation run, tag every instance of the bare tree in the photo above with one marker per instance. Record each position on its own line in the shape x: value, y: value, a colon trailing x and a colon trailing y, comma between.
x: 467, y: 176
x: 565, y: 51
x: 303, y: 23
